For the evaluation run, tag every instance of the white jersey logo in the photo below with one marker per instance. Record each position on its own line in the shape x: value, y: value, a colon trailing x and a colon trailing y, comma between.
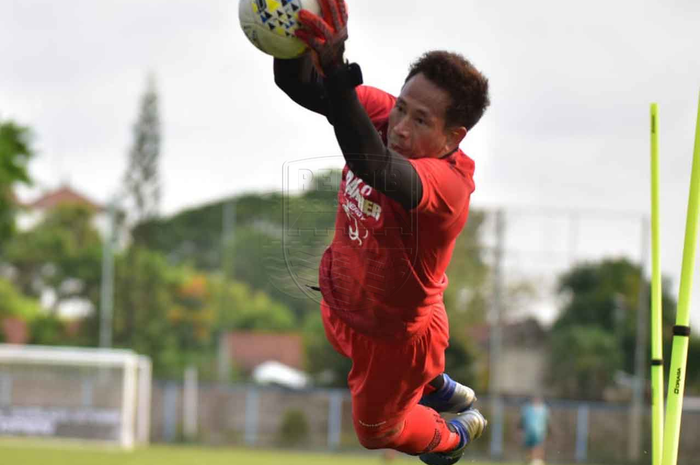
x: 354, y: 233
x: 358, y: 207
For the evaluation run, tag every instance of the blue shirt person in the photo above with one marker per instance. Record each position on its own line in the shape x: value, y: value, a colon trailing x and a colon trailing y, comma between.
x: 534, y: 423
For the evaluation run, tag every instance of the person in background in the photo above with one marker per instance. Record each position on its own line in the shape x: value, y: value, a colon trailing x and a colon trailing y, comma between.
x: 534, y: 426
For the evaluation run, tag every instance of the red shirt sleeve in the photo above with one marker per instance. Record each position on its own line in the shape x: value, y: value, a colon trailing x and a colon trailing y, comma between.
x: 377, y: 103
x: 446, y: 187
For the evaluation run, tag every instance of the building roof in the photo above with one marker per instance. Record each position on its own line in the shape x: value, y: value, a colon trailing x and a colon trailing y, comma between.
x: 61, y: 196
x: 250, y: 349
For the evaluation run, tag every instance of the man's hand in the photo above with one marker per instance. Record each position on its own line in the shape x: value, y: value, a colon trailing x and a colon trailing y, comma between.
x: 325, y: 36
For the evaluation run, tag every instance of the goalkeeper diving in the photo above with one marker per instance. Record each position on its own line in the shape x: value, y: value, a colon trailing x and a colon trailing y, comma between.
x: 403, y: 201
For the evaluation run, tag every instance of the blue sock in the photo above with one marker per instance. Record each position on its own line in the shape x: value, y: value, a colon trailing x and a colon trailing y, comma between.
x: 462, y: 431
x: 447, y: 390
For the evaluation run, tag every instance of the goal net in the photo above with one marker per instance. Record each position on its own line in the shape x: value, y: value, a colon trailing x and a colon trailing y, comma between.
x: 75, y: 393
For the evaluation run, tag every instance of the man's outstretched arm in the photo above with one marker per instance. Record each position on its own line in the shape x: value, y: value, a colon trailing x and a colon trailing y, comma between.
x: 363, y: 148
x: 361, y: 144
x: 299, y: 79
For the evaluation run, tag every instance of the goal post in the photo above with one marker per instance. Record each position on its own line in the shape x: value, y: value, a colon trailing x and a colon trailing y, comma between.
x: 143, y: 400
x: 75, y: 393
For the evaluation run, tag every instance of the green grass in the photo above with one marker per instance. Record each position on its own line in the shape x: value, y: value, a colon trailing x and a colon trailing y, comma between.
x: 37, y: 453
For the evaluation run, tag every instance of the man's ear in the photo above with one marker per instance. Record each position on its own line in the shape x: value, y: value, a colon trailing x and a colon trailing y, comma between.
x: 455, y: 136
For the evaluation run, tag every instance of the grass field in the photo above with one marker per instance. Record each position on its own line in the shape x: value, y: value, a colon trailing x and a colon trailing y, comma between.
x: 21, y: 453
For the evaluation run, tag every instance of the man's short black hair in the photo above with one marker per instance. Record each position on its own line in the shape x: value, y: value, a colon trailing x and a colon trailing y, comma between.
x: 467, y: 87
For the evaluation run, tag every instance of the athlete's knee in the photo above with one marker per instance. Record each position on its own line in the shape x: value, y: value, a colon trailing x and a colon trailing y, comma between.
x: 378, y: 438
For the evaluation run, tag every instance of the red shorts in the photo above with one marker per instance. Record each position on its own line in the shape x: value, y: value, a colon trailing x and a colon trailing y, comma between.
x: 388, y: 377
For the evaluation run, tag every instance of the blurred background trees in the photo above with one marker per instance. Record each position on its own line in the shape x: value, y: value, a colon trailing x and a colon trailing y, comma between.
x: 183, y: 281
x: 15, y: 153
x: 593, y: 338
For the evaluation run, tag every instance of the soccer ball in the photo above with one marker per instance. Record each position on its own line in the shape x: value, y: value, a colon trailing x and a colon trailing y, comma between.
x: 270, y: 25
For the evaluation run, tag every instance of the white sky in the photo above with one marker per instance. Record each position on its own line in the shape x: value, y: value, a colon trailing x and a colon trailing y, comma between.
x: 571, y: 84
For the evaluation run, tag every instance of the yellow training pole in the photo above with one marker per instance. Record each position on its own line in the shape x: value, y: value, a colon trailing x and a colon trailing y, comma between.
x: 657, y: 364
x: 681, y: 331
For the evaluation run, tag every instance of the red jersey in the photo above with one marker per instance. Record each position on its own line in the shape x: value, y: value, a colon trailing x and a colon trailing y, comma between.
x: 386, y: 265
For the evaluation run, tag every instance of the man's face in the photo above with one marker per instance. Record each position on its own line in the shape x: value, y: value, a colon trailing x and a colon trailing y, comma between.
x: 417, y: 121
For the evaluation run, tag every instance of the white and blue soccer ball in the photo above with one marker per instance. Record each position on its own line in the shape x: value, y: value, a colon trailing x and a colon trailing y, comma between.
x: 270, y: 24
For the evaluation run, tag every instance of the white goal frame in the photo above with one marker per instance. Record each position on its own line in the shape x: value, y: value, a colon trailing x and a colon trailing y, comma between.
x: 135, y: 410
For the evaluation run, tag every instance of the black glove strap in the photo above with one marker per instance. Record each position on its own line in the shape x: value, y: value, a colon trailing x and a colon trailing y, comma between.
x: 346, y: 76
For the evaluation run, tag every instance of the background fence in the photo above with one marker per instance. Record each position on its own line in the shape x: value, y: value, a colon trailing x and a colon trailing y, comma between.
x: 242, y: 415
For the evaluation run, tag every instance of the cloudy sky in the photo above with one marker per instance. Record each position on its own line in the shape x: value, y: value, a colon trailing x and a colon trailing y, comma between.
x: 568, y: 129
